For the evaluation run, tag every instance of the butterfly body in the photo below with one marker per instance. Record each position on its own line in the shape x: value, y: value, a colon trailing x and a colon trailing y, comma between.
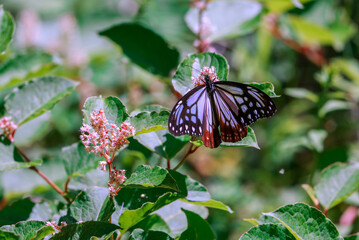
x: 219, y: 111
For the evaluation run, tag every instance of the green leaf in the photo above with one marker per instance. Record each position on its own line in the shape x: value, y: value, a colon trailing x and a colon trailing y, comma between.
x: 249, y: 141
x: 34, y: 230
x: 145, y: 176
x: 144, y: 47
x: 11, y: 158
x: 225, y: 19
x: 297, y: 3
x: 153, y: 223
x: 91, y: 205
x: 302, y: 93
x: 113, y: 108
x: 349, y: 67
x: 197, y: 228
x: 337, y: 182
x: 8, y: 235
x: 269, y: 232
x: 36, y: 97
x: 311, y: 193
x: 191, y: 66
x: 145, y: 122
x: 334, y: 105
x: 305, y: 222
x: 139, y: 234
x: 7, y: 27
x: 195, y: 193
x: 316, y: 139
x: 175, y: 218
x: 136, y: 204
x: 266, y: 87
x: 20, y: 68
x: 77, y: 161
x: 17, y: 211
x: 85, y: 230
x: 280, y: 6
x: 107, y: 209
x: 210, y: 204
x: 352, y: 237
x: 163, y: 143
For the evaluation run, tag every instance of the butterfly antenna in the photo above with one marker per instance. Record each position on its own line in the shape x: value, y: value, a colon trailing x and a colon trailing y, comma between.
x: 192, y: 67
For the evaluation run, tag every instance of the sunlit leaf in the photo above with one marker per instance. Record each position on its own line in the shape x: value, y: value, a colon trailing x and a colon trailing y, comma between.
x: 11, y: 158
x: 77, y: 160
x: 7, y: 27
x: 20, y: 68
x: 225, y: 19
x: 36, y: 97
x: 337, y: 182
x: 305, y: 222
x: 145, y: 122
x: 113, y: 108
x: 334, y: 105
x: 92, y: 204
x: 301, y: 93
x: 35, y: 230
x: 145, y: 176
x: 163, y: 143
x: 191, y: 67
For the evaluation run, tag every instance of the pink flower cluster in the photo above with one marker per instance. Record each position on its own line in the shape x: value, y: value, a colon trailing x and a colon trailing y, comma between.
x: 117, y: 177
x: 8, y: 127
x: 103, y: 138
x: 54, y: 225
x: 206, y: 71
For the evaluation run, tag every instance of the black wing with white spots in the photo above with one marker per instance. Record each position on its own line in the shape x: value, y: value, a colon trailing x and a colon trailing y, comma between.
x: 187, y: 115
x: 247, y: 103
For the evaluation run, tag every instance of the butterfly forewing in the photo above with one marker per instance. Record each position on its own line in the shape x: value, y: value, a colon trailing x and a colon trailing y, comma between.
x: 187, y: 115
x: 251, y: 103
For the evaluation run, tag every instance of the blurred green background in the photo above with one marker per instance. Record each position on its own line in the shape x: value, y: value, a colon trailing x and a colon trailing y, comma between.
x: 313, y: 65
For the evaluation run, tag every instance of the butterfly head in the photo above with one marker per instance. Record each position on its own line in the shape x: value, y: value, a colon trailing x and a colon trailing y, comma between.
x: 206, y: 75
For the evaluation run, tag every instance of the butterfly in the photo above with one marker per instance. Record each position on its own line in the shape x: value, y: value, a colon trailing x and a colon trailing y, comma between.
x: 219, y: 110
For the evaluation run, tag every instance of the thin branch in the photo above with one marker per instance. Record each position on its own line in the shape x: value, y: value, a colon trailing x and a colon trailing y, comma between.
x: 191, y: 150
x: 66, y: 185
x: 313, y: 53
x: 168, y: 163
x: 51, y: 183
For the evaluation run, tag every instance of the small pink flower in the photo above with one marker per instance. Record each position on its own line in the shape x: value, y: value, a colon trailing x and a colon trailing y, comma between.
x: 8, y: 127
x: 103, y: 138
x: 103, y: 165
x: 206, y: 71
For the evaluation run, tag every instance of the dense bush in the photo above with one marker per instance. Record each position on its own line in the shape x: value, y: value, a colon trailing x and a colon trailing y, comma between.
x: 86, y: 90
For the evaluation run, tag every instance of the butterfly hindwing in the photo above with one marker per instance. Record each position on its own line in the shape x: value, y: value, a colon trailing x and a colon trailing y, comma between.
x: 187, y: 115
x: 251, y: 103
x: 211, y: 137
x: 231, y: 129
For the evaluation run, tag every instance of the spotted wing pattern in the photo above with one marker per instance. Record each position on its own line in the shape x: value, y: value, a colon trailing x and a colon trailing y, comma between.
x: 247, y: 103
x: 187, y: 115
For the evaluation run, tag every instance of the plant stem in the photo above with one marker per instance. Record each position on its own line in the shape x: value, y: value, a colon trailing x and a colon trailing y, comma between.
x: 191, y: 150
x: 168, y: 163
x: 66, y: 185
x: 51, y: 183
x: 313, y: 54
